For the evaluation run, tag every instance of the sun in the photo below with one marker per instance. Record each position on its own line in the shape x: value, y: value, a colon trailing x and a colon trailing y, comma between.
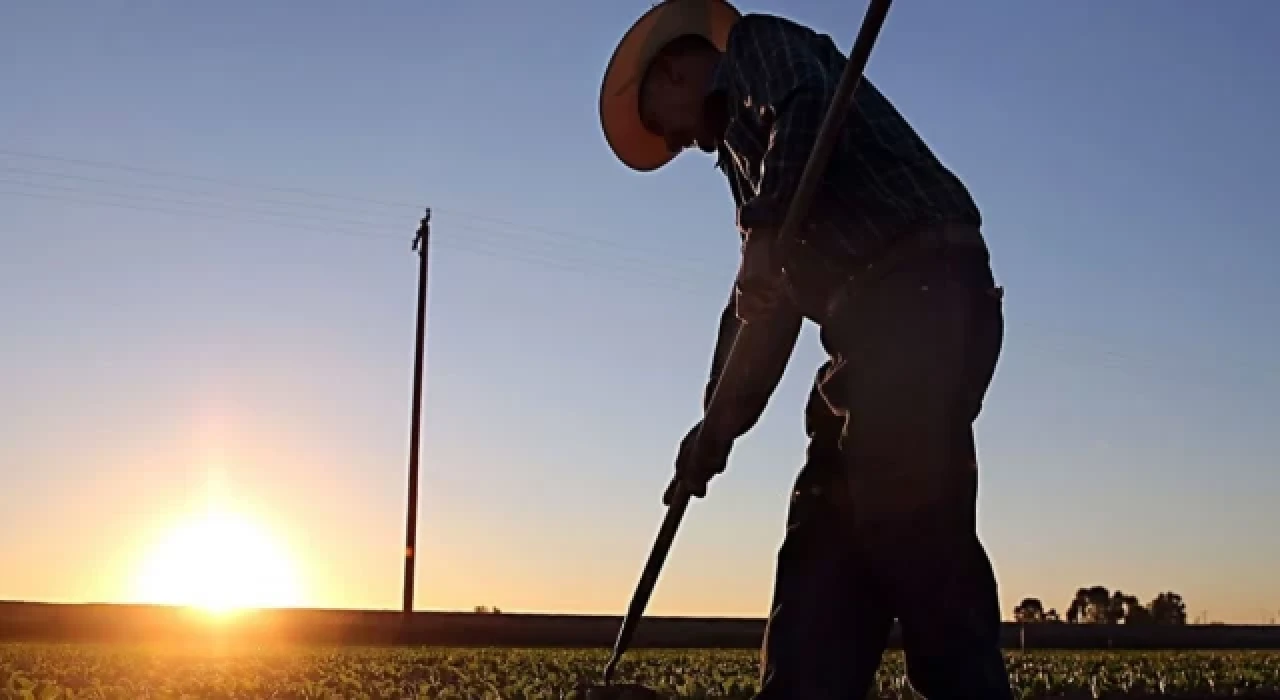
x: 220, y: 562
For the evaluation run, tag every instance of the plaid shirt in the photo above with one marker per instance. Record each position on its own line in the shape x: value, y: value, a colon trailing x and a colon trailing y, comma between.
x: 777, y: 79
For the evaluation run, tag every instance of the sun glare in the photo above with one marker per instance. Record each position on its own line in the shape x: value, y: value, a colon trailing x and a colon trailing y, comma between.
x: 219, y: 562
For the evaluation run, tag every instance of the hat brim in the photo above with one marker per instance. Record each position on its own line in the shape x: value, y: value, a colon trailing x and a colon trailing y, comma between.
x: 633, y: 144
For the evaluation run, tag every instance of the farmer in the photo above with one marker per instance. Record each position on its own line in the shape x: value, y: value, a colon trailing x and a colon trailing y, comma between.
x: 891, y: 264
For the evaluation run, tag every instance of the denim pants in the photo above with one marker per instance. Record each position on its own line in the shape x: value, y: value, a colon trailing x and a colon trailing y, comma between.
x: 882, y: 521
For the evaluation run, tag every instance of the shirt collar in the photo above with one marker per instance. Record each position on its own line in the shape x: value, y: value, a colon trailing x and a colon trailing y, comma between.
x: 718, y: 96
x: 719, y: 77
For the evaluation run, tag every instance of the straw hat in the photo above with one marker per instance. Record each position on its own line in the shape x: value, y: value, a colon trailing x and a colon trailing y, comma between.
x: 633, y: 144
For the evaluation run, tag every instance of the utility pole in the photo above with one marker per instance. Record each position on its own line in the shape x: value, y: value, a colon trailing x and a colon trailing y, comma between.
x: 420, y: 244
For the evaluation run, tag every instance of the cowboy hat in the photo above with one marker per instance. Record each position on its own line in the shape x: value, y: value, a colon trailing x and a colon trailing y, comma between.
x: 633, y: 144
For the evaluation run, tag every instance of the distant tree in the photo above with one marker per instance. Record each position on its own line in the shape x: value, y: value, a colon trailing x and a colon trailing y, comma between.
x: 1052, y: 616
x: 1115, y: 607
x: 1139, y: 614
x: 1030, y: 610
x: 1091, y: 606
x: 1075, y: 610
x: 1128, y: 610
x: 1168, y: 609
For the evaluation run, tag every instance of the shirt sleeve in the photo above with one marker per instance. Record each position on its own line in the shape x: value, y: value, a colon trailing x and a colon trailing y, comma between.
x: 763, y: 353
x: 787, y: 87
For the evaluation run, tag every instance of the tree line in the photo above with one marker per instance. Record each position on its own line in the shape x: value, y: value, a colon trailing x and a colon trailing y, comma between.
x: 1099, y: 606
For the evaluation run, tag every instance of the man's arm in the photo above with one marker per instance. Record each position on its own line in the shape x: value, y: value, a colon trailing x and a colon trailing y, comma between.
x: 777, y: 72
x: 773, y: 65
x: 760, y: 361
x: 727, y: 330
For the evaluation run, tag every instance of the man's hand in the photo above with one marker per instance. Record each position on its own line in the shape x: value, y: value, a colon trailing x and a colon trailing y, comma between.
x: 697, y: 462
x: 759, y: 287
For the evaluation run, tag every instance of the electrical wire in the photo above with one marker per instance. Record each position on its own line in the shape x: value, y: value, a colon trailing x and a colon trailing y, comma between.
x: 492, y: 245
x: 564, y: 250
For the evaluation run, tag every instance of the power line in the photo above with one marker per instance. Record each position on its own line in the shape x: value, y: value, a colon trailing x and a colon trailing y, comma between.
x: 195, y: 203
x: 515, y: 240
x: 487, y: 248
x: 516, y: 244
x: 188, y: 214
x: 653, y: 256
x: 658, y: 267
x: 155, y: 172
x: 168, y: 188
x: 473, y: 245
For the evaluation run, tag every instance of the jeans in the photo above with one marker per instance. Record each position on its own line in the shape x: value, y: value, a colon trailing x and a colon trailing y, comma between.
x: 882, y: 522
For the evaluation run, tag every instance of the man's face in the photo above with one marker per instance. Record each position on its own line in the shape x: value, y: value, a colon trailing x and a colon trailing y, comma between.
x: 671, y: 104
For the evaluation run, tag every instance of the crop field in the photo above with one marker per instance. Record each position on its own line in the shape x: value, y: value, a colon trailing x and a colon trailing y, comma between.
x: 49, y: 672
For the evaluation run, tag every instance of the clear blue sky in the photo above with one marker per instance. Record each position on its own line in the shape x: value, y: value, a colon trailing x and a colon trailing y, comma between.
x: 162, y: 330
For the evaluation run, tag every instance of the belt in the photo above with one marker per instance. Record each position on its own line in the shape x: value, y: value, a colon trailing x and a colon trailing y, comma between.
x: 924, y: 240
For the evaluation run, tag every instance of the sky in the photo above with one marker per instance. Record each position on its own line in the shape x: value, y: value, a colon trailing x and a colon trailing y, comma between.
x: 208, y: 294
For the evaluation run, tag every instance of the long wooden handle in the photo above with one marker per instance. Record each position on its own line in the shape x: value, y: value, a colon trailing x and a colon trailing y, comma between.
x: 648, y: 578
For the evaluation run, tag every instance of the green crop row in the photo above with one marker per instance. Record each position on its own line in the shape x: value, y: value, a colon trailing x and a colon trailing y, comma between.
x: 56, y: 672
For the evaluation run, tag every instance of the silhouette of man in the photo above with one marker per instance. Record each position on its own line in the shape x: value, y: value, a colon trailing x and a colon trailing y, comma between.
x: 891, y: 264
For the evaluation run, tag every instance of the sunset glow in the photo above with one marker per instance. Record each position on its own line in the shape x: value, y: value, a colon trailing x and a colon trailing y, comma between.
x: 219, y: 561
